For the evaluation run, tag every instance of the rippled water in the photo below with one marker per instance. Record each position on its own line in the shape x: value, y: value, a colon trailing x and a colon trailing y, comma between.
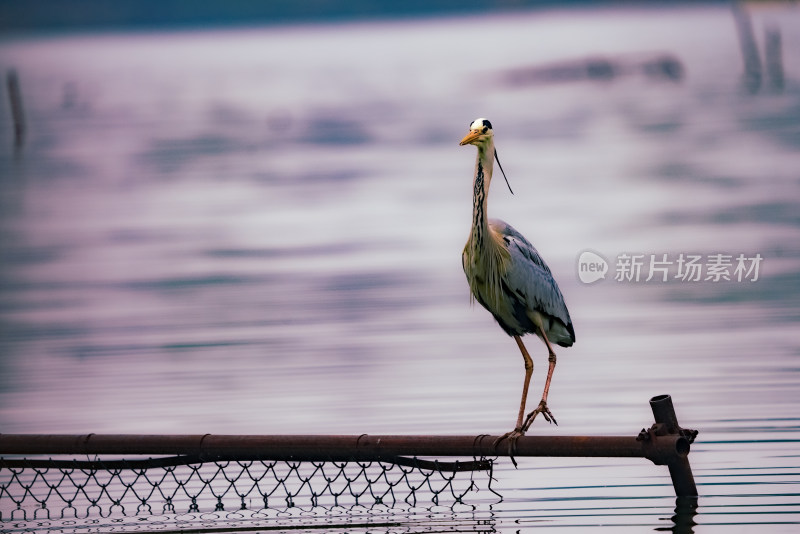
x: 259, y: 231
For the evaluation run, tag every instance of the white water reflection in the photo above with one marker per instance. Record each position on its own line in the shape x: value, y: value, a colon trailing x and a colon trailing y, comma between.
x: 260, y: 231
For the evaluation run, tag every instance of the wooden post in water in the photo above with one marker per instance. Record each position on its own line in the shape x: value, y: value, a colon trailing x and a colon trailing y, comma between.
x: 17, y: 112
x: 773, y: 55
x: 747, y: 42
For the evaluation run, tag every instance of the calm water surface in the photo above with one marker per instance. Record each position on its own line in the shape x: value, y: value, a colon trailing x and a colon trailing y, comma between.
x: 259, y: 231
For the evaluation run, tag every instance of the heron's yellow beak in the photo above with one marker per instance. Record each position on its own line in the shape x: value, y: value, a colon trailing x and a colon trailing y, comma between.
x: 470, y: 137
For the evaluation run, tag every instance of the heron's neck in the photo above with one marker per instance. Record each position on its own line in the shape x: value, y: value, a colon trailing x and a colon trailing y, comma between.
x: 480, y: 194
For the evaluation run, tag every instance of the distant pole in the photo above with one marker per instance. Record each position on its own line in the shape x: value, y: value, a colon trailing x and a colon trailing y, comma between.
x: 17, y: 112
x: 773, y: 52
x: 747, y: 41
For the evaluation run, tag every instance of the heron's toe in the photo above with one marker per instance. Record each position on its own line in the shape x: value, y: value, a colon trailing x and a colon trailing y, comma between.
x: 541, y: 409
x: 512, y: 438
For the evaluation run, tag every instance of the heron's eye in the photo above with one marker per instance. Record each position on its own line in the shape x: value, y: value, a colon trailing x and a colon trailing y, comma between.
x: 485, y: 129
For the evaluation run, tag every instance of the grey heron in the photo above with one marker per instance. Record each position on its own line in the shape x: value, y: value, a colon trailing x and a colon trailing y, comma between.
x: 509, y: 278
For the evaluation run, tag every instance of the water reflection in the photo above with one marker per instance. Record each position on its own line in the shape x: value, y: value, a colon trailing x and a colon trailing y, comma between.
x: 685, y: 512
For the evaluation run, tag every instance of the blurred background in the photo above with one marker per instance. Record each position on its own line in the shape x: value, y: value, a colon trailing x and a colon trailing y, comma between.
x: 248, y: 218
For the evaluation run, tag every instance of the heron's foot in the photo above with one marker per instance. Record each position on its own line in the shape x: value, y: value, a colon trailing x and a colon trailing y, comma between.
x: 541, y: 409
x: 512, y: 438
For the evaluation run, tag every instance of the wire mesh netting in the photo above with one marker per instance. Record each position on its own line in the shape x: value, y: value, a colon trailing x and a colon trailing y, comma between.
x: 36, y: 490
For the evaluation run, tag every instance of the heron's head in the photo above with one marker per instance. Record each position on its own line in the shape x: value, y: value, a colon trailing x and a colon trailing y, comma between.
x: 480, y: 132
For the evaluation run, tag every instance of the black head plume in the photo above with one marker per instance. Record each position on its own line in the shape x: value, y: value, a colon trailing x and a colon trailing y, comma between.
x: 501, y: 167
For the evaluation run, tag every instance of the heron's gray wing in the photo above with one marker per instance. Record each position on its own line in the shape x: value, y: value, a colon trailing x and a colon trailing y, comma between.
x: 529, y: 279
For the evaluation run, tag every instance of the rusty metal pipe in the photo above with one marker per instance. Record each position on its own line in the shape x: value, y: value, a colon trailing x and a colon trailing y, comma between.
x: 340, y: 448
x: 679, y: 469
x: 665, y: 443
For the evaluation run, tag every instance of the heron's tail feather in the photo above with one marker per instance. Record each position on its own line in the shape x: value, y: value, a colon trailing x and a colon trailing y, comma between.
x: 561, y: 334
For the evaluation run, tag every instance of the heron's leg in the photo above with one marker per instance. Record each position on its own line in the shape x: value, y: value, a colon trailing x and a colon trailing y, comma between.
x: 527, y: 383
x: 518, y: 430
x: 542, y: 408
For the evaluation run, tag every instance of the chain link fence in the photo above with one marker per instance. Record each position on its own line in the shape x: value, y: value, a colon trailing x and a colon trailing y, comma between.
x: 70, y: 489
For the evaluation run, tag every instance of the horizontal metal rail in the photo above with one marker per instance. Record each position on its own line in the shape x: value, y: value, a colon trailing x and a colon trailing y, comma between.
x: 365, y: 447
x: 665, y: 443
